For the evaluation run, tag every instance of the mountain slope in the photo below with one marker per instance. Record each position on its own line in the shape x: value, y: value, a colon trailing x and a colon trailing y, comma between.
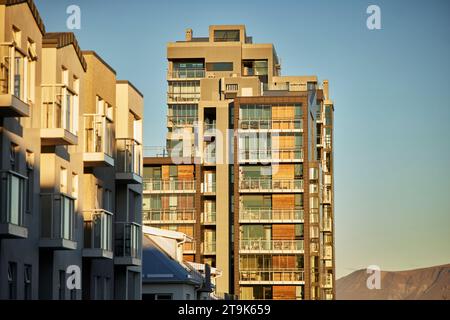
x: 431, y: 283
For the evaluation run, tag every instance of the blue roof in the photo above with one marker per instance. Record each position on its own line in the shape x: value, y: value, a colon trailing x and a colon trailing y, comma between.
x: 159, y: 267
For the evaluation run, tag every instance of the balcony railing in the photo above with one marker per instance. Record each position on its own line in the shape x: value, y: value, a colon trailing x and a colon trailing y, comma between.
x: 98, y: 134
x: 271, y: 185
x: 273, y: 275
x: 209, y: 247
x: 128, y: 240
x: 189, y: 247
x: 183, y: 97
x: 209, y: 217
x: 271, y: 245
x: 58, y: 108
x: 269, y: 214
x: 327, y: 280
x: 327, y: 225
x: 129, y: 156
x: 181, y: 121
x: 12, y: 198
x: 168, y: 186
x: 271, y: 124
x: 186, y: 73
x: 271, y: 155
x: 98, y: 230
x: 57, y: 217
x: 163, y: 216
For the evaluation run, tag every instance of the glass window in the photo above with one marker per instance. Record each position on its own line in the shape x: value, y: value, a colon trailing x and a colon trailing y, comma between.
x: 27, y: 274
x: 219, y: 66
x: 227, y: 35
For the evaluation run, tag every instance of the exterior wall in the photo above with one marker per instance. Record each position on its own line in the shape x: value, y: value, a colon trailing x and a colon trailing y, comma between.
x: 178, y: 291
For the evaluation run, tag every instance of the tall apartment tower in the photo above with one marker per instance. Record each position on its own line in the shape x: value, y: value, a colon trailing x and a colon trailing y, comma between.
x: 247, y: 169
x: 70, y: 170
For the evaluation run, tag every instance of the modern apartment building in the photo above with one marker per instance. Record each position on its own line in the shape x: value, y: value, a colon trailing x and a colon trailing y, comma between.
x: 71, y: 160
x: 247, y: 167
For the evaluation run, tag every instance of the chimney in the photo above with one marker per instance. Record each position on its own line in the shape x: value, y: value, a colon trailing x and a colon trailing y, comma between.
x: 188, y: 34
x: 325, y: 89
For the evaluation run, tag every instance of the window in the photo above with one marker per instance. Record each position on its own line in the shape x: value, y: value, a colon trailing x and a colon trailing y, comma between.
x: 12, y: 281
x: 13, y: 152
x: 219, y: 66
x: 232, y: 87
x: 108, y: 201
x: 227, y: 35
x: 30, y: 181
x: 27, y: 274
x: 158, y: 296
x: 62, y: 285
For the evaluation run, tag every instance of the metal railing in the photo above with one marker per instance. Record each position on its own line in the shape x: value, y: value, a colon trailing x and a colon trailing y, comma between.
x: 271, y: 124
x: 129, y: 156
x: 267, y: 185
x: 128, y: 240
x: 261, y: 213
x: 162, y: 216
x: 169, y: 185
x: 12, y: 198
x: 209, y: 247
x: 58, y: 108
x: 180, y: 121
x: 57, y: 216
x: 183, y: 97
x: 12, y: 71
x: 186, y: 73
x: 271, y: 154
x: 98, y: 229
x: 282, y: 275
x: 270, y: 245
x: 98, y: 134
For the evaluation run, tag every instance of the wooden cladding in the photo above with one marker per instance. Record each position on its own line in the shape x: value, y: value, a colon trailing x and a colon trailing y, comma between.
x: 181, y: 172
x: 283, y: 231
x: 284, y: 171
x: 283, y: 262
x: 283, y: 292
x: 283, y: 201
x: 186, y: 172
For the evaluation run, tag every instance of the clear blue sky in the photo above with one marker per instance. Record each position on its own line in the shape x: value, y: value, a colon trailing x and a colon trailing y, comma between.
x: 391, y: 91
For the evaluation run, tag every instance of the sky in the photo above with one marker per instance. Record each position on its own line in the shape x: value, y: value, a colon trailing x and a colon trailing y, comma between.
x: 390, y: 88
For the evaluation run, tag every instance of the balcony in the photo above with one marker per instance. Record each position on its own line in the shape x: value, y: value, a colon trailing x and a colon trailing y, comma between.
x: 285, y: 155
x: 59, y: 116
x: 12, y: 205
x: 209, y: 218
x: 270, y: 246
x: 57, y: 222
x: 186, y: 74
x: 12, y: 82
x: 327, y: 225
x: 209, y: 129
x: 272, y: 276
x: 129, y: 161
x: 183, y: 97
x: 168, y: 216
x: 181, y: 121
x: 169, y: 186
x: 209, y: 248
x: 256, y: 185
x: 98, y: 144
x: 319, y: 117
x: 189, y: 247
x: 327, y: 281
x: 127, y: 251
x: 269, y: 215
x: 98, y: 234
x: 271, y: 125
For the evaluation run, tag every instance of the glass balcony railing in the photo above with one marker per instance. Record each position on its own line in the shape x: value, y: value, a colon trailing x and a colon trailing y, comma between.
x: 208, y: 187
x: 169, y: 185
x: 129, y: 156
x: 12, y: 198
x: 98, y: 134
x: 57, y: 217
x: 58, y: 108
x: 174, y: 97
x: 209, y: 217
x: 163, y: 216
x: 271, y: 155
x: 209, y: 247
x: 98, y: 230
x: 186, y: 73
x: 271, y: 124
x: 181, y: 121
x: 285, y: 275
x: 268, y: 214
x: 270, y: 185
x: 270, y: 245
x: 128, y: 240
